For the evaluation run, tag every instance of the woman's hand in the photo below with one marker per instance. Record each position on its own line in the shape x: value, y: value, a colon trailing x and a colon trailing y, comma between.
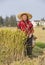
x: 30, y: 35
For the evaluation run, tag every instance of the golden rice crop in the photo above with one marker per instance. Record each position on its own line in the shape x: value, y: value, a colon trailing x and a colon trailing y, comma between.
x: 11, y: 44
x: 35, y: 61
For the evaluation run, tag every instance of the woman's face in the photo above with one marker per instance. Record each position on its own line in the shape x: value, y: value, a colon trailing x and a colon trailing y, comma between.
x: 24, y: 17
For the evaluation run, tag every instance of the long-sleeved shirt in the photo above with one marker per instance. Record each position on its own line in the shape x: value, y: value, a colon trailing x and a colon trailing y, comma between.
x: 26, y: 26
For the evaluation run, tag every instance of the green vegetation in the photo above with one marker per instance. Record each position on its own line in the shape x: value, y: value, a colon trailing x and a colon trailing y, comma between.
x: 40, y: 44
x: 8, y: 21
x: 38, y: 49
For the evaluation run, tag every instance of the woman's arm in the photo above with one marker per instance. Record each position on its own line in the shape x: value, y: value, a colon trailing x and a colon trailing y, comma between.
x: 30, y: 33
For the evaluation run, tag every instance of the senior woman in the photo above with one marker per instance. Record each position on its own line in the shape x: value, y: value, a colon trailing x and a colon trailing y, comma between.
x: 25, y: 25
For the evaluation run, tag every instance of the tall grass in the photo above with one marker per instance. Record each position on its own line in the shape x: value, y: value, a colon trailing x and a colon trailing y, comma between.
x: 11, y: 44
x: 12, y: 48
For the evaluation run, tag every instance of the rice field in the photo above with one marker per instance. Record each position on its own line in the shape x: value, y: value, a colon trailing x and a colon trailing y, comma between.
x: 9, y: 37
x: 40, y: 34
